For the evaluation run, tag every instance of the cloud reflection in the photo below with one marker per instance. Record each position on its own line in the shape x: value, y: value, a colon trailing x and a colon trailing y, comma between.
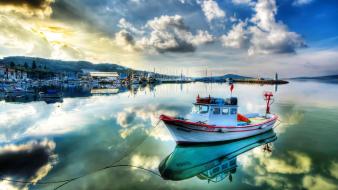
x: 30, y: 161
x: 144, y: 118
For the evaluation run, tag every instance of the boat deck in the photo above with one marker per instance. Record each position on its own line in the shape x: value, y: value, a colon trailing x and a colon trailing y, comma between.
x: 253, y: 120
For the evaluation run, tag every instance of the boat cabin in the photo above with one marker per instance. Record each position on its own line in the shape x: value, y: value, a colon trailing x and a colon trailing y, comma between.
x: 215, y: 111
x: 219, y: 172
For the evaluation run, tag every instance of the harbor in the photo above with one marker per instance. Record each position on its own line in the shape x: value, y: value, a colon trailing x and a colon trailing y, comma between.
x: 36, y: 81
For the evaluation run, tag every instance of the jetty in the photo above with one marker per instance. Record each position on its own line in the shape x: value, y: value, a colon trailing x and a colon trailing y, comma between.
x: 260, y: 81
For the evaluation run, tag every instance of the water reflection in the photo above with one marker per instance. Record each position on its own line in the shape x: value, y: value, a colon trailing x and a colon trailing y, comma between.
x: 27, y: 161
x: 210, y: 162
x: 90, y: 131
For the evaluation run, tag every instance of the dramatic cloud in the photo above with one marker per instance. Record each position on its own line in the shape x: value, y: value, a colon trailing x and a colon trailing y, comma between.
x: 124, y: 24
x: 169, y: 33
x: 301, y: 2
x: 136, y: 33
x: 269, y: 36
x: 39, y: 8
x: 124, y: 39
x: 166, y: 34
x: 264, y: 35
x: 211, y: 10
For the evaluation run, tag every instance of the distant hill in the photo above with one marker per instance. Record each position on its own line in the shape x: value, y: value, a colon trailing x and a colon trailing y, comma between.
x: 329, y: 78
x: 63, y: 66
x: 221, y: 78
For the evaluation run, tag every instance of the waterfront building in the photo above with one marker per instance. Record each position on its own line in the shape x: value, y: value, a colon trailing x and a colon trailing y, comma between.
x: 104, y: 76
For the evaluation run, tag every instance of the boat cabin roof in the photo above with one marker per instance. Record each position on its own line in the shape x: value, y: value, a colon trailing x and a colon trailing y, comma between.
x: 216, y: 101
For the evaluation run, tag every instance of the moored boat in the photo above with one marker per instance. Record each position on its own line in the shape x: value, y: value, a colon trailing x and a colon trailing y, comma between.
x: 51, y: 96
x: 217, y: 119
x: 51, y: 93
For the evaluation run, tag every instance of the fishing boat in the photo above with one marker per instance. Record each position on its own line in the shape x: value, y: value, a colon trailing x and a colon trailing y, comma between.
x: 51, y: 96
x: 213, y: 162
x: 216, y: 119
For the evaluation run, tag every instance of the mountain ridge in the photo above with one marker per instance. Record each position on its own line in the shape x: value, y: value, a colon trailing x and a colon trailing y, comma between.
x: 63, y: 66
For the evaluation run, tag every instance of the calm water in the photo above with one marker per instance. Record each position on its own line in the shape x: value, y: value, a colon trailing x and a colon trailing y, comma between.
x: 52, y: 142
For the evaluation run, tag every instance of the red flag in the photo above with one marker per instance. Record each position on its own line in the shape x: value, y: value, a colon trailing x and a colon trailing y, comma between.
x: 231, y: 87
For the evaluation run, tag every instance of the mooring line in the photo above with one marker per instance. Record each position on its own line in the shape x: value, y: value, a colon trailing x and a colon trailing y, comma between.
x: 66, y: 181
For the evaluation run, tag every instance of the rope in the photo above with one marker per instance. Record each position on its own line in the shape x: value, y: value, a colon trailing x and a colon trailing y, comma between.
x: 112, y: 165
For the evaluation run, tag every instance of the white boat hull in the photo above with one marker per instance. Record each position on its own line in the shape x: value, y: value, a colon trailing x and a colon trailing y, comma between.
x: 186, y: 134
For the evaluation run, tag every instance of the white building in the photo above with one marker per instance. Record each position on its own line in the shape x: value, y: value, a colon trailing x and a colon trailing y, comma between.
x: 105, y: 76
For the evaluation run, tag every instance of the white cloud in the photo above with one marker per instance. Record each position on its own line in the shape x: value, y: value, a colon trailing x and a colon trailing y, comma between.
x: 270, y: 36
x: 301, y: 2
x: 247, y: 2
x: 264, y: 35
x: 166, y: 34
x: 202, y: 37
x: 211, y: 10
x: 237, y: 37
x: 124, y: 24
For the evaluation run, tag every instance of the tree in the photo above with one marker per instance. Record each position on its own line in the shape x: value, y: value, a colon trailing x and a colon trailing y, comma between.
x: 33, y: 65
x: 45, y: 67
x: 25, y: 65
x: 12, y: 65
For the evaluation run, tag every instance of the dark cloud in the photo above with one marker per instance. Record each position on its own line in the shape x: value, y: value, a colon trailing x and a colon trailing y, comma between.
x: 35, y: 4
x: 24, y: 161
x: 31, y: 161
x: 181, y: 47
x: 29, y: 8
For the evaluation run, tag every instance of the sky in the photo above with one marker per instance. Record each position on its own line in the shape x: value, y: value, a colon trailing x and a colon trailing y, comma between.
x: 248, y: 37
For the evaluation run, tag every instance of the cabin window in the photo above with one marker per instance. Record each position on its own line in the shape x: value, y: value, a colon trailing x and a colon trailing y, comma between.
x: 225, y: 111
x: 217, y: 111
x: 201, y: 109
x: 204, y: 109
x: 195, y: 109
x: 233, y: 111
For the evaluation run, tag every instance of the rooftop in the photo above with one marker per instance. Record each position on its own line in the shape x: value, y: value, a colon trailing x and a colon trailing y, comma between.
x: 103, y: 74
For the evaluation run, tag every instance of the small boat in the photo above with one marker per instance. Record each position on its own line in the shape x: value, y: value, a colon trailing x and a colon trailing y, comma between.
x: 51, y: 96
x: 216, y: 120
x: 212, y: 162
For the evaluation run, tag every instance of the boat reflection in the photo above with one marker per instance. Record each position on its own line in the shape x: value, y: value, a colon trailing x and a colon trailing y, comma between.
x: 213, y: 162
